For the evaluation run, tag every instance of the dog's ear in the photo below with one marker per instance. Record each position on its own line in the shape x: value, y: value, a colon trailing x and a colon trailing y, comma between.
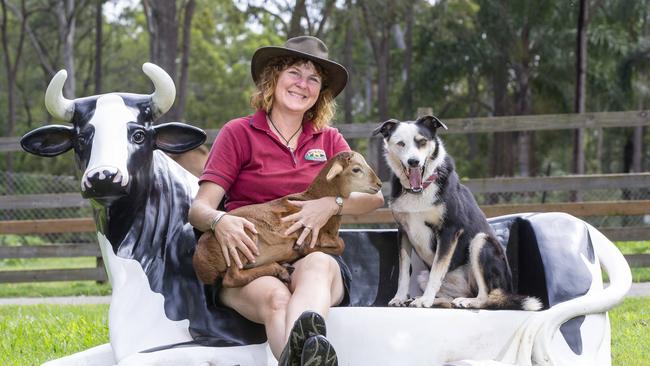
x: 386, y: 128
x: 431, y: 123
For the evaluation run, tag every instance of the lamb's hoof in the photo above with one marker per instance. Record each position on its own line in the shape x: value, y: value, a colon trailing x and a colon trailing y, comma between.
x: 400, y: 302
x: 289, y: 267
x: 422, y: 302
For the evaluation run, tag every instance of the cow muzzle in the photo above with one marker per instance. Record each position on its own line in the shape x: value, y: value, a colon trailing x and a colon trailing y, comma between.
x: 104, y: 183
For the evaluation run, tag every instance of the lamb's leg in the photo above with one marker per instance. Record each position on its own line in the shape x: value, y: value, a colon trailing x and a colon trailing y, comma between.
x: 236, y: 277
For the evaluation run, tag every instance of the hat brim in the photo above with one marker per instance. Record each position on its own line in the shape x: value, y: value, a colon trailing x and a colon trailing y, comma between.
x: 337, y: 75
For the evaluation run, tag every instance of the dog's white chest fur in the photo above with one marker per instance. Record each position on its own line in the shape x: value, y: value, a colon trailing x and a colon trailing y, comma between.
x: 413, y: 212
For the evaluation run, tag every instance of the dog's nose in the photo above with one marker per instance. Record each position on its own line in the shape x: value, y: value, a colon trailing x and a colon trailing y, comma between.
x: 413, y: 163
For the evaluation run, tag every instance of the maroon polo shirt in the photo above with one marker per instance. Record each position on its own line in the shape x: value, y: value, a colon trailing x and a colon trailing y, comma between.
x: 253, y: 166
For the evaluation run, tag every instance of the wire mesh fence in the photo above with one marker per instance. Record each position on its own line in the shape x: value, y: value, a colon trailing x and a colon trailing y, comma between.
x: 24, y: 184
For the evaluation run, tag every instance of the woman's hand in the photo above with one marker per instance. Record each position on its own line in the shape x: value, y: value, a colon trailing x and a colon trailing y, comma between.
x: 231, y: 236
x: 313, y: 215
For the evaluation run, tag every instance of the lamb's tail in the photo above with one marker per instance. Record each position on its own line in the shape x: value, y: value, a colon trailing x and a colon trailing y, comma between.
x: 502, y: 300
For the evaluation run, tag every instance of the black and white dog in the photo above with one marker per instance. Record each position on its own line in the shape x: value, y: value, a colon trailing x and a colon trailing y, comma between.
x: 439, y: 218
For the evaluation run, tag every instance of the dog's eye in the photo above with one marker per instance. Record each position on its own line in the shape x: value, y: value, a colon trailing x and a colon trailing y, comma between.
x: 421, y: 143
x: 400, y: 144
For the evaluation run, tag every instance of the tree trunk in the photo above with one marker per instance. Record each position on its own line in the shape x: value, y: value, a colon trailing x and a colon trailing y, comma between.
x: 11, y: 68
x: 580, y: 96
x: 98, y: 45
x: 185, y: 56
x: 377, y: 29
x: 299, y: 11
x: 408, y: 61
x: 66, y: 17
x: 502, y: 156
x: 162, y: 24
x: 347, y: 60
x: 581, y: 85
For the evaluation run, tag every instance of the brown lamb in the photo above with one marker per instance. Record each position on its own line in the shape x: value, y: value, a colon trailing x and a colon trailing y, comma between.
x: 344, y: 173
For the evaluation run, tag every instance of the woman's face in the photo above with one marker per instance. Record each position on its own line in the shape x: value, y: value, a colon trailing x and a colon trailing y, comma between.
x: 297, y: 88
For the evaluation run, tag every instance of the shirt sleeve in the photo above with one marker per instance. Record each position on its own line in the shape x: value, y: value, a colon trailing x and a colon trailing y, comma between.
x: 338, y: 142
x: 225, y: 159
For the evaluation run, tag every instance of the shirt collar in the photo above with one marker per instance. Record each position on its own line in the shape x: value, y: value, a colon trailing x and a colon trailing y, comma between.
x: 258, y: 121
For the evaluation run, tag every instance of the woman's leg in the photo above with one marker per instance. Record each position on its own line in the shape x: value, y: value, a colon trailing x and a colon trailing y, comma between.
x: 316, y: 284
x: 263, y: 301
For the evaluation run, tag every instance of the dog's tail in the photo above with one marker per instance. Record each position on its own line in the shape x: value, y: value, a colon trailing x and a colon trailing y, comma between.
x: 502, y: 300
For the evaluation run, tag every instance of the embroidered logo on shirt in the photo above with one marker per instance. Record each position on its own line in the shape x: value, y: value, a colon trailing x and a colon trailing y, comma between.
x: 316, y: 155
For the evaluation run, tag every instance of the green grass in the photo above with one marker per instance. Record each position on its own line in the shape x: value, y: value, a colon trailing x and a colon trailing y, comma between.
x: 48, y: 289
x: 631, y: 332
x: 37, y: 333
x: 15, y: 264
x: 633, y: 247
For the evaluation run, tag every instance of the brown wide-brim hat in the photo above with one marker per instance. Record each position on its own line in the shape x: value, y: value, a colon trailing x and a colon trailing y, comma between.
x: 309, y: 48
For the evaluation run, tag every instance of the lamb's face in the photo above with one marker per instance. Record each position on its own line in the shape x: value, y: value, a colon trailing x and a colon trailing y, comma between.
x: 358, y: 176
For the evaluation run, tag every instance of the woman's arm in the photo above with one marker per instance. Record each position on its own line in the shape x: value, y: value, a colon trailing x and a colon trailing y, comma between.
x: 229, y: 230
x: 314, y: 214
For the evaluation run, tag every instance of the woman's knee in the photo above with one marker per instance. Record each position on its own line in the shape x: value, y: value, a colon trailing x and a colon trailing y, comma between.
x: 277, y: 299
x: 317, y: 263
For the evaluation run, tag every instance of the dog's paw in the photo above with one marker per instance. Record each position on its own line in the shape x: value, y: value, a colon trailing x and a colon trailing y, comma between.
x: 423, y: 302
x: 400, y: 302
x: 467, y: 303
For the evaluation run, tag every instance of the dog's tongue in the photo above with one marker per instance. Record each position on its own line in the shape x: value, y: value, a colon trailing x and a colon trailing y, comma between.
x: 415, y: 178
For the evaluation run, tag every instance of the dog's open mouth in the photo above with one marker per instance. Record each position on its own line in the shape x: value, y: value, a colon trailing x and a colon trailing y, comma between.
x: 415, y: 178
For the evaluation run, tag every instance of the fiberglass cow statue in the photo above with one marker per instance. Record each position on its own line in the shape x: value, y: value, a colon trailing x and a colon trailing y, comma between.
x: 160, y: 313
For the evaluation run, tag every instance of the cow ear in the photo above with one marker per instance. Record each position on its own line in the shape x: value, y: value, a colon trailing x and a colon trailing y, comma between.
x: 386, y: 128
x: 48, y: 141
x: 176, y: 137
x: 432, y: 123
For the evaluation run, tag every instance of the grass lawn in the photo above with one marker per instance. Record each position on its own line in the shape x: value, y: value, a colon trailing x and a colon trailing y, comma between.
x: 37, y: 333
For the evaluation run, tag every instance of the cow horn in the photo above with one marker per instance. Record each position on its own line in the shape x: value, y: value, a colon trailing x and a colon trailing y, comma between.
x: 165, y: 90
x: 58, y: 106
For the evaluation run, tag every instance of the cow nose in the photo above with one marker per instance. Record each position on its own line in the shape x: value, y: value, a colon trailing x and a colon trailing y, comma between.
x: 413, y: 163
x: 105, y: 176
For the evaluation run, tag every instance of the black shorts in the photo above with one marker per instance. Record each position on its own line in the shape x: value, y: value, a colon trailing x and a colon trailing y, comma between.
x: 212, y: 291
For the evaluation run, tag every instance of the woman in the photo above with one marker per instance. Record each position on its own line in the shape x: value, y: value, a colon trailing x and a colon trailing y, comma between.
x: 273, y: 153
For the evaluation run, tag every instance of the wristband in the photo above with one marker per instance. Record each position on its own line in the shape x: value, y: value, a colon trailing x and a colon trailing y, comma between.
x: 216, y: 219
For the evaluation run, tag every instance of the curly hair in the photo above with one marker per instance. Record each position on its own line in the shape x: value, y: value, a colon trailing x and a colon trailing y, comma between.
x: 320, y: 113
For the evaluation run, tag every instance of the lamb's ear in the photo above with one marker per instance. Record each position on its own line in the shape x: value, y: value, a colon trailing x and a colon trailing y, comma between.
x: 386, y: 128
x: 431, y: 123
x: 335, y: 170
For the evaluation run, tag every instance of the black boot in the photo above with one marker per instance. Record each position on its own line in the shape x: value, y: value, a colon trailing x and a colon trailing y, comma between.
x: 318, y: 351
x: 307, y: 325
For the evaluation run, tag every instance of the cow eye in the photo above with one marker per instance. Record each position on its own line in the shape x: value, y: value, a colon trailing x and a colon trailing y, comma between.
x: 138, y: 137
